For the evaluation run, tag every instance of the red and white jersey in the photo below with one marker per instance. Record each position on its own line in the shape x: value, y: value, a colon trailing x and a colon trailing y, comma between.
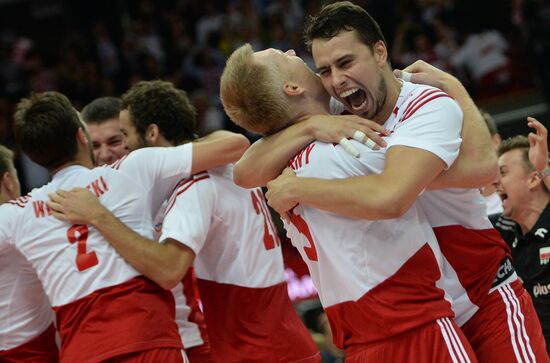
x: 427, y: 118
x: 219, y: 220
x: 25, y: 311
x: 376, y: 279
x: 158, y: 170
x: 93, y: 290
x: 238, y: 264
x: 72, y: 261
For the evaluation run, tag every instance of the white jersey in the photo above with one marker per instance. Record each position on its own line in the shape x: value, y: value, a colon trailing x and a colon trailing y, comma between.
x: 365, y: 271
x: 218, y: 221
x: 73, y: 261
x: 426, y: 118
x: 238, y: 264
x: 158, y: 170
x: 25, y: 311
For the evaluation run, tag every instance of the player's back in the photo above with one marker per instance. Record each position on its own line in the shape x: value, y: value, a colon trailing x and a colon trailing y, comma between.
x: 94, y: 292
x: 240, y: 272
x: 369, y: 273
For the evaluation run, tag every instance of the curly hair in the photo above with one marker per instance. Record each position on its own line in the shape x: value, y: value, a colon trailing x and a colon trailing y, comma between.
x: 159, y: 102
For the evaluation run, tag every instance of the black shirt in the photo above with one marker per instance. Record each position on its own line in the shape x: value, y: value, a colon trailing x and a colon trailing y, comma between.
x: 531, y: 259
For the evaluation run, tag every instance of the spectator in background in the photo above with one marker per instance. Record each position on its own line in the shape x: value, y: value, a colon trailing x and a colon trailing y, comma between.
x: 494, y: 203
x: 101, y: 117
x: 524, y: 188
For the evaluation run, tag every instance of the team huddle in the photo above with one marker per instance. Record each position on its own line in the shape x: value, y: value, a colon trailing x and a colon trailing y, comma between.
x: 169, y: 254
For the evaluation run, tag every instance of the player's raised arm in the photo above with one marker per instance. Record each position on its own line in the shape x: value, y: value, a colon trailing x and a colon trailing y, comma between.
x: 476, y: 164
x: 217, y: 149
x: 165, y: 263
x: 266, y: 158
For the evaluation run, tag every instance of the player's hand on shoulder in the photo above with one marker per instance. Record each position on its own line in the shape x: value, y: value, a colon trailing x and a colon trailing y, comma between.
x: 279, y: 193
x: 421, y: 72
x: 77, y: 206
x: 335, y: 129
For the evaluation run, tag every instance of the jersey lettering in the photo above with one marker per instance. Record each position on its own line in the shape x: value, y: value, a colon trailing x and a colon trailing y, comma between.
x: 84, y: 260
x: 270, y: 238
x: 41, y: 209
x: 302, y: 158
x: 303, y: 228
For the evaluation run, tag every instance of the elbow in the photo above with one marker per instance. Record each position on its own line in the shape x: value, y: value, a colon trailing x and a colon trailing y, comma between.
x: 386, y: 208
x: 242, y: 177
x: 240, y: 144
x: 171, y: 278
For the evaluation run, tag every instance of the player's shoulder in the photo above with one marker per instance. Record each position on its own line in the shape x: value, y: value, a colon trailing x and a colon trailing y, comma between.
x: 419, y: 98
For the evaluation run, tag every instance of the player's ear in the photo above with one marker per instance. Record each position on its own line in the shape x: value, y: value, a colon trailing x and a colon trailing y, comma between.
x: 152, y: 134
x: 380, y: 52
x: 292, y: 89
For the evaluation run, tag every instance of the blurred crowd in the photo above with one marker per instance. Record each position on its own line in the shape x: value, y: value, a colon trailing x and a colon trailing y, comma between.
x: 102, y: 48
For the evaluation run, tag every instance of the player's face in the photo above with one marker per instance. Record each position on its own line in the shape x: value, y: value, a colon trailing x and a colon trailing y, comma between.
x: 107, y: 141
x: 352, y: 72
x: 132, y: 139
x: 292, y: 64
x: 513, y: 186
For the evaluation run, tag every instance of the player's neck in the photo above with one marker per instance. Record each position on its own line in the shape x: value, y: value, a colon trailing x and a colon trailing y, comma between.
x: 393, y: 90
x: 530, y: 213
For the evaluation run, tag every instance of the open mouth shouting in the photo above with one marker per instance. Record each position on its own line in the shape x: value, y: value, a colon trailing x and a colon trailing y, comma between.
x: 355, y: 99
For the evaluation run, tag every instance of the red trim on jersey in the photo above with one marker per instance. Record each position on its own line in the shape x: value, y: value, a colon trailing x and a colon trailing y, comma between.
x: 424, y: 101
x: 418, y: 98
x: 183, y: 185
x: 475, y: 255
x: 254, y: 324
x: 191, y: 293
x: 41, y: 349
x: 116, y: 164
x: 21, y: 201
x: 407, y: 300
x: 130, y: 317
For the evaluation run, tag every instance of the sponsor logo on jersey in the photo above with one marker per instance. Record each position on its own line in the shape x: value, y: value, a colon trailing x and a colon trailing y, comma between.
x: 515, y: 243
x: 544, y: 255
x: 539, y: 290
x: 541, y: 232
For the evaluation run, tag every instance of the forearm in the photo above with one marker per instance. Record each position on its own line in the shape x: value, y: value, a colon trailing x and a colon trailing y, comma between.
x: 217, y: 149
x: 357, y: 197
x: 476, y: 164
x: 266, y: 158
x: 166, y: 264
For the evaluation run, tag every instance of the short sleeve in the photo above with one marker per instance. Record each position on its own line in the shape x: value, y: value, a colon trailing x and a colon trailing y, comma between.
x: 190, y: 211
x: 434, y: 126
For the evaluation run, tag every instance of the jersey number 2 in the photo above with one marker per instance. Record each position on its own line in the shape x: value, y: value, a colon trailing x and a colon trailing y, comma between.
x: 270, y: 240
x: 78, y: 233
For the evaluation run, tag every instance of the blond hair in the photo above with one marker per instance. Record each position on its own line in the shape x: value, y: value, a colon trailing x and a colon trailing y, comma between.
x: 252, y: 93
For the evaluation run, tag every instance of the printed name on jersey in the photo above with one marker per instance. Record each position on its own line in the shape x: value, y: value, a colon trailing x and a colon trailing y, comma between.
x: 98, y: 187
x: 183, y: 185
x: 302, y: 158
x: 424, y: 97
x: 544, y: 255
x: 540, y: 290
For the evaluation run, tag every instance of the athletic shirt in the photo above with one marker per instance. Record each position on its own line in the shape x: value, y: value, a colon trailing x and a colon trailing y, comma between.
x: 239, y: 267
x: 376, y: 279
x: 427, y: 118
x: 25, y: 311
x: 94, y: 291
x: 158, y: 170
